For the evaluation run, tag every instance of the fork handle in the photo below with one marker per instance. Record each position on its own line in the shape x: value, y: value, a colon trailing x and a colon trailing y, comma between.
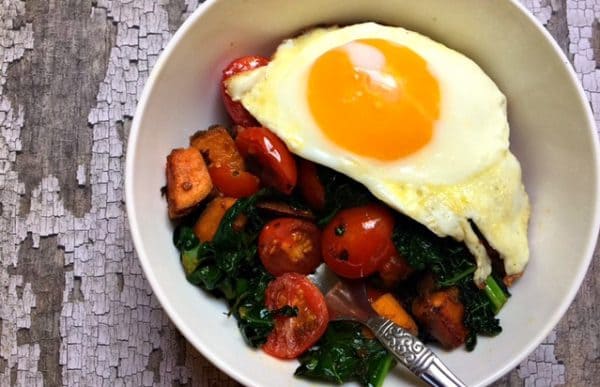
x: 412, y: 353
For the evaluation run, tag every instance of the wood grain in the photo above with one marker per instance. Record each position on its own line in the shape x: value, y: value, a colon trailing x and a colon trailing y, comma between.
x: 75, y: 308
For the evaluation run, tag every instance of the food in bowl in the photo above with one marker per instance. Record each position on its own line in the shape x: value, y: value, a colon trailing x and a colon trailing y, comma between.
x: 376, y: 150
x: 420, y: 125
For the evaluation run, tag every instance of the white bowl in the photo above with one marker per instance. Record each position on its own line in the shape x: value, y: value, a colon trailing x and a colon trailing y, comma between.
x: 552, y: 134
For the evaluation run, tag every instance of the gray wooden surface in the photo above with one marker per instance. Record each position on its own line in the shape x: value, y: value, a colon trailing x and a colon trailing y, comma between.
x: 74, y: 306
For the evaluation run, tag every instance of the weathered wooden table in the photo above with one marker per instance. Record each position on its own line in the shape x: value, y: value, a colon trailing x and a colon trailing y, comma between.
x: 75, y: 308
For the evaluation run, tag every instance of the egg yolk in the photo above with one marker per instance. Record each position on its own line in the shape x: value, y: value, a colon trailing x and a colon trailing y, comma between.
x: 374, y: 98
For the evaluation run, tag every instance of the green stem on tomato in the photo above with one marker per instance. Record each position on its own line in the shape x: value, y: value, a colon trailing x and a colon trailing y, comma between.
x: 495, y: 293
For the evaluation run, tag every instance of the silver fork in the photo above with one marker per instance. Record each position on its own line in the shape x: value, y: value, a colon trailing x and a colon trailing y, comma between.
x: 347, y: 300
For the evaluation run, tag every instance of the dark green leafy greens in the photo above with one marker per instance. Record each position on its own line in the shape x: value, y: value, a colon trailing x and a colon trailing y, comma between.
x: 344, y: 354
x: 453, y: 265
x: 229, y: 267
x: 340, y: 192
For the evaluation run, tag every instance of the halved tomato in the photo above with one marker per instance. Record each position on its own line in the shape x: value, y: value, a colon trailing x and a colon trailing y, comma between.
x: 294, y: 335
x: 290, y: 245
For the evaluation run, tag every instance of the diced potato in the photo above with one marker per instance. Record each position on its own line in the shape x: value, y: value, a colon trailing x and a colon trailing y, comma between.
x: 210, y: 219
x: 218, y: 148
x: 442, y: 315
x: 387, y: 306
x: 188, y: 181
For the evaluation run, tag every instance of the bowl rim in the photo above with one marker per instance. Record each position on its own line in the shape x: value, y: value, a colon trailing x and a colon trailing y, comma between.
x: 187, y: 330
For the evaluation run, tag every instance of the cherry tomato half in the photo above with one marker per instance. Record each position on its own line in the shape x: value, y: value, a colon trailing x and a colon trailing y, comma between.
x: 357, y: 240
x: 310, y: 185
x: 237, y: 112
x: 291, y: 336
x: 233, y: 183
x: 290, y: 245
x: 277, y: 164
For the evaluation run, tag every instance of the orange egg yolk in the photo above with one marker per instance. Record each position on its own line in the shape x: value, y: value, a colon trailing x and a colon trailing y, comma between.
x: 374, y: 98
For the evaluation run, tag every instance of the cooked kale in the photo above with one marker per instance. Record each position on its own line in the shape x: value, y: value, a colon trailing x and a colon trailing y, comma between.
x: 453, y: 265
x: 415, y: 245
x: 479, y: 313
x: 254, y: 319
x: 340, y: 192
x: 344, y: 354
x: 229, y: 267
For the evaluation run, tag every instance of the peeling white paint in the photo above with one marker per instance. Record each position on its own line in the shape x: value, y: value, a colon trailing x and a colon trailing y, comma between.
x: 81, y: 175
x: 542, y: 368
x: 122, y: 327
x: 107, y: 334
x: 580, y: 16
x: 15, y: 304
x: 542, y: 9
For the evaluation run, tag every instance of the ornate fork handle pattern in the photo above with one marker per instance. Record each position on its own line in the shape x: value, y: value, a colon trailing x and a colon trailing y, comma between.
x: 406, y: 347
x: 412, y: 353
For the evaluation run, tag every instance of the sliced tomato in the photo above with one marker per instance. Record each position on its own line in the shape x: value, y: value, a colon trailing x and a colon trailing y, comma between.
x: 357, y: 240
x: 237, y: 112
x: 310, y: 185
x: 233, y: 183
x: 276, y: 165
x: 291, y: 336
x: 290, y: 245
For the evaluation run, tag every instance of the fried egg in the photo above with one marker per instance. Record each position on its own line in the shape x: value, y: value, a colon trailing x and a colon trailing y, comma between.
x: 420, y: 125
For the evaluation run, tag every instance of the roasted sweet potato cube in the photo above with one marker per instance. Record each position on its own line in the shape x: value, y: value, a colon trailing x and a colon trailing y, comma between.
x: 188, y: 181
x: 210, y: 219
x: 218, y: 148
x: 387, y: 306
x: 442, y: 314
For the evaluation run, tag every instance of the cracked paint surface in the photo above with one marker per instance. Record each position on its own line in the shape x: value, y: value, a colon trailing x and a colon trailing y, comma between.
x: 112, y: 330
x: 16, y: 297
x: 110, y: 324
x: 583, y: 16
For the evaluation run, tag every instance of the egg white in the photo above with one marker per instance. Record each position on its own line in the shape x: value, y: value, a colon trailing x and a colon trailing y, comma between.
x: 472, y: 108
x: 465, y: 174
